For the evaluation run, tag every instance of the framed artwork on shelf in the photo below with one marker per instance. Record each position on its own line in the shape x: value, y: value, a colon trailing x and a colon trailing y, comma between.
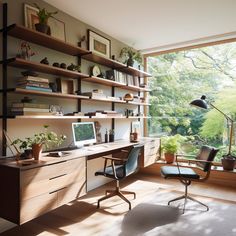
x: 65, y: 86
x: 57, y: 27
x: 99, y: 44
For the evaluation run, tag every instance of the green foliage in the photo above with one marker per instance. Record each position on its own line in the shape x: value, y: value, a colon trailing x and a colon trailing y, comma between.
x: 171, y: 144
x: 43, y: 14
x: 179, y: 78
x: 46, y: 138
x: 128, y: 52
x: 213, y: 127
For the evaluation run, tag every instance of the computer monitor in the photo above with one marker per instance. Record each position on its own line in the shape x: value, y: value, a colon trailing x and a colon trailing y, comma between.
x: 83, y: 133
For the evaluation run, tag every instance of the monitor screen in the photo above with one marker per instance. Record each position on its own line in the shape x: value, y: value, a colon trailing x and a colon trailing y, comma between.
x: 83, y: 133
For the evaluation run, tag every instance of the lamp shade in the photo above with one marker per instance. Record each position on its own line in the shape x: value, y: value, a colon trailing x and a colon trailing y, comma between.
x: 200, y: 103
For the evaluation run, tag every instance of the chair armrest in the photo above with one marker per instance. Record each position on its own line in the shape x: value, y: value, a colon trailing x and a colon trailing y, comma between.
x: 113, y: 159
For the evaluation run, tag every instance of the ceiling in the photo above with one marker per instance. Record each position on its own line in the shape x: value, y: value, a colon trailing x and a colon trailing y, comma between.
x: 154, y: 25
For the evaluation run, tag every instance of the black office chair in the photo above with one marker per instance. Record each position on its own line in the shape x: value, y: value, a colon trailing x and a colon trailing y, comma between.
x: 120, y: 171
x: 186, y: 175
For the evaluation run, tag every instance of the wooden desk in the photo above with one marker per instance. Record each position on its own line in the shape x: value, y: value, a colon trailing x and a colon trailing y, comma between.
x: 29, y: 190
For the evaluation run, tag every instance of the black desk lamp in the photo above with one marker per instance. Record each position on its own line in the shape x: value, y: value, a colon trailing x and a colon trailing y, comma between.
x: 202, y: 103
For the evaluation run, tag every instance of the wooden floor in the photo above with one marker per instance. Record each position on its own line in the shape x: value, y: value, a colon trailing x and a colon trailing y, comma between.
x: 82, y: 218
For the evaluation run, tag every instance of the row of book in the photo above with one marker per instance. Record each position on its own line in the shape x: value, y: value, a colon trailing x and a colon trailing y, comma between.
x: 122, y: 77
x: 104, y: 114
x: 34, y: 83
x: 21, y: 108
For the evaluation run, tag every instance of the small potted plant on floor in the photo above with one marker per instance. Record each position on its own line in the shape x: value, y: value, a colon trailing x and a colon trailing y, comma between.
x: 129, y: 55
x: 43, y: 15
x: 170, y: 145
x: 38, y: 140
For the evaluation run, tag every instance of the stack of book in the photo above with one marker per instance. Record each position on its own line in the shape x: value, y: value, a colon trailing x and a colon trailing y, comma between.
x: 21, y: 109
x: 111, y: 113
x: 104, y: 114
x: 34, y: 83
x: 96, y: 94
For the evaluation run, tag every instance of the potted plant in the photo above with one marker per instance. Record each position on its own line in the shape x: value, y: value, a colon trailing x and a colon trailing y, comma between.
x: 43, y: 15
x: 130, y: 55
x: 38, y: 140
x: 228, y: 162
x: 170, y: 146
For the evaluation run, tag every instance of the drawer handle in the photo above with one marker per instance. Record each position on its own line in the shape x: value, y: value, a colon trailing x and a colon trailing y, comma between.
x: 57, y: 176
x: 57, y: 190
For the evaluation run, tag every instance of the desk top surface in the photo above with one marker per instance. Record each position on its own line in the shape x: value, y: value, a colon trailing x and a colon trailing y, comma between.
x: 95, y: 150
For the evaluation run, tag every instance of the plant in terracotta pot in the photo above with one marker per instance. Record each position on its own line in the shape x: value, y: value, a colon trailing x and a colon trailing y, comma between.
x: 170, y: 145
x: 129, y: 55
x: 36, y: 142
x: 43, y: 16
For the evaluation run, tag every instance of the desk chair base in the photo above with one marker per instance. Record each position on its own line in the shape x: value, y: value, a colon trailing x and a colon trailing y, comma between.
x: 116, y: 192
x: 185, y: 196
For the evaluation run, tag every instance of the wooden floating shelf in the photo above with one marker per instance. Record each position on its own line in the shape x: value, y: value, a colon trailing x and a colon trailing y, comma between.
x: 69, y: 96
x: 114, y: 83
x: 45, y: 40
x: 39, y: 67
x: 49, y: 94
x: 24, y: 33
x: 115, y: 65
x: 72, y: 117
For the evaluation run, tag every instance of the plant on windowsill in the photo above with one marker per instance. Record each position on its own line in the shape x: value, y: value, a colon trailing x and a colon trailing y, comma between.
x: 129, y: 55
x: 170, y: 145
x: 43, y: 16
x: 36, y: 142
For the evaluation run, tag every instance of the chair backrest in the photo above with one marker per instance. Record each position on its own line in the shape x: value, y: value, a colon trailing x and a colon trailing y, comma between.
x: 206, y: 153
x: 131, y: 165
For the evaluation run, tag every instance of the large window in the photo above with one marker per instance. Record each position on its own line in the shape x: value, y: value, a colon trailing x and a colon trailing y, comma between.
x: 179, y: 78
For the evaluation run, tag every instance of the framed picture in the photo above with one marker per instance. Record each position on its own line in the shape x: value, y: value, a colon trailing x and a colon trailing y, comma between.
x: 65, y: 86
x: 57, y: 27
x: 99, y: 44
x: 135, y: 125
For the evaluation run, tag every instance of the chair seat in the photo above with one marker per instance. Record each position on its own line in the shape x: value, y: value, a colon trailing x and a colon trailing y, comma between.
x: 172, y: 172
x: 109, y: 172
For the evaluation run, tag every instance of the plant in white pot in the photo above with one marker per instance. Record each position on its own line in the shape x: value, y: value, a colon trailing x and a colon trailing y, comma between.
x: 36, y: 142
x: 170, y: 145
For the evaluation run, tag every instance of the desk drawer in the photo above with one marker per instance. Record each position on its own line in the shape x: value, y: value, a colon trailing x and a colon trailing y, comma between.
x: 49, y: 185
x: 72, y: 192
x: 71, y: 173
x: 50, y: 171
x: 37, y: 206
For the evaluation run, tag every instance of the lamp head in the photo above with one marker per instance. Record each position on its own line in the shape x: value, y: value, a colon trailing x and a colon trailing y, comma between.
x: 200, y: 103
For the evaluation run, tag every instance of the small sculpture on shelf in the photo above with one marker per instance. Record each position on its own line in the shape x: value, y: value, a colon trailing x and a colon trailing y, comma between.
x: 56, y: 64
x: 44, y: 61
x: 25, y: 51
x: 63, y: 65
x: 73, y: 67
x: 83, y: 42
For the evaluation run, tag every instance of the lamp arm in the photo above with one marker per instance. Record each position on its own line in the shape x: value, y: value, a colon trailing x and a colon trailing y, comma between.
x: 227, y: 117
x: 231, y: 127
